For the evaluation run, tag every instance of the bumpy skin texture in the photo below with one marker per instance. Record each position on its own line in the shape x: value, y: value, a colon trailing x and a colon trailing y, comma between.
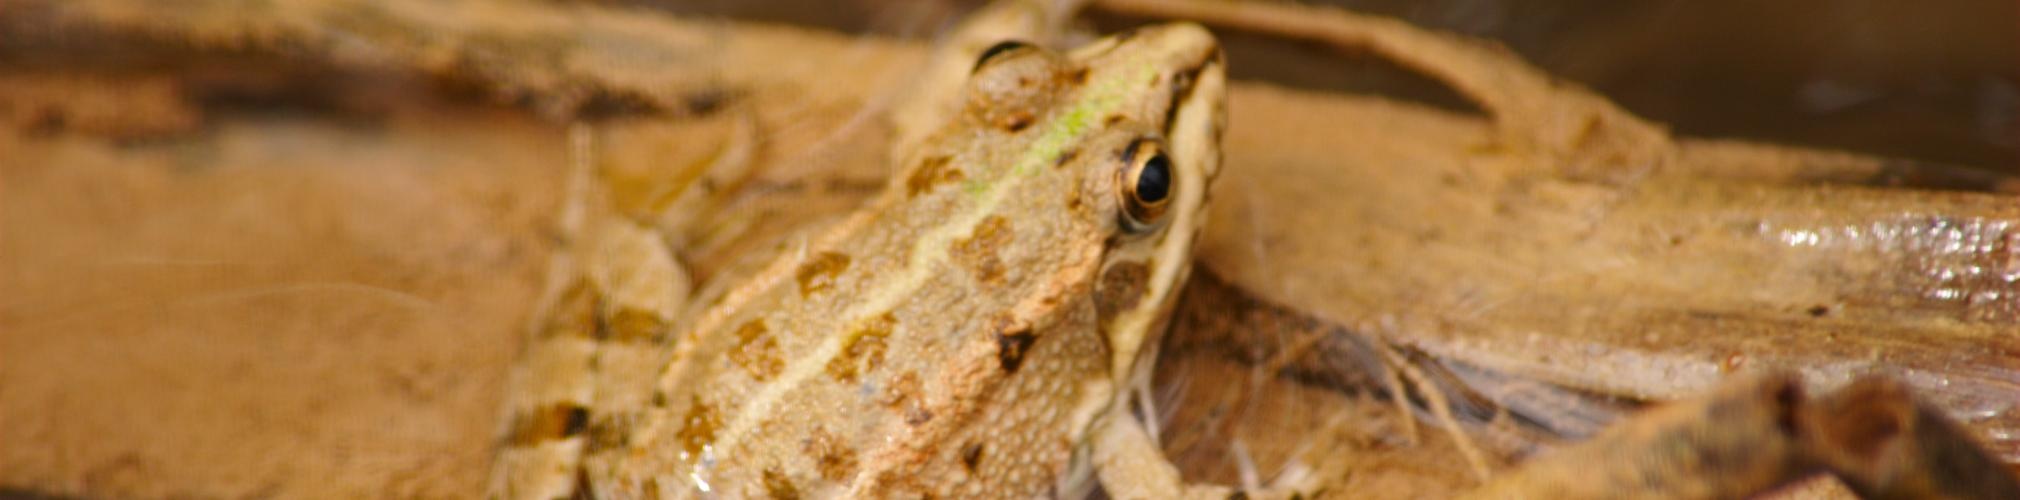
x: 945, y: 340
x: 962, y: 335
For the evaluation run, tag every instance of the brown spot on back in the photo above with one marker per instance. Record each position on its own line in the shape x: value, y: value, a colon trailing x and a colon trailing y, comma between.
x: 832, y: 457
x: 916, y: 415
x: 1011, y: 346
x: 1113, y: 119
x: 698, y: 429
x: 863, y: 348
x: 778, y: 487
x: 934, y: 171
x: 1065, y: 157
x: 548, y: 423
x: 819, y: 273
x: 757, y: 352
x: 1121, y: 287
x: 977, y: 252
x: 1073, y: 199
x: 1017, y: 122
x: 902, y: 394
x: 971, y: 456
x: 609, y: 432
x: 635, y: 325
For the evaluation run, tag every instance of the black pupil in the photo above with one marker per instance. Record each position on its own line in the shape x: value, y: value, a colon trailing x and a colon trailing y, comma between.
x: 1154, y: 182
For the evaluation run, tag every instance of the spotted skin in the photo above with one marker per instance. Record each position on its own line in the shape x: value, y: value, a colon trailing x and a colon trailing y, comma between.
x: 963, y: 335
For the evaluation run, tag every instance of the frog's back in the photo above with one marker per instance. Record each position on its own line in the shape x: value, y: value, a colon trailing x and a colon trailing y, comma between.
x: 879, y: 350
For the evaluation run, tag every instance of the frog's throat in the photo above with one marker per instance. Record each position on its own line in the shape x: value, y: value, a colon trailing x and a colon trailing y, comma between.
x: 1102, y: 97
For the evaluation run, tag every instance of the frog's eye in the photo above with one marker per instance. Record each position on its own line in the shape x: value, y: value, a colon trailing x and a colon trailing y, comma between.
x: 999, y: 49
x: 1146, y: 186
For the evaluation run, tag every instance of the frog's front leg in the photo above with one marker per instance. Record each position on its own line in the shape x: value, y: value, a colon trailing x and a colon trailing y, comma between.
x: 1131, y: 465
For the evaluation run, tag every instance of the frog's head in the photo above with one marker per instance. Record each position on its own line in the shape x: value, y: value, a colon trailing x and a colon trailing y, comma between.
x: 1176, y: 111
x: 1118, y: 140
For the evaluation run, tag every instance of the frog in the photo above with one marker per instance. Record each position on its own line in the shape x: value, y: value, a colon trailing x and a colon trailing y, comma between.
x: 984, y: 327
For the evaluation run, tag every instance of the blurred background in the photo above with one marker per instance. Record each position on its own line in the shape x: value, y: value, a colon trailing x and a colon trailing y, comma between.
x: 1932, y: 81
